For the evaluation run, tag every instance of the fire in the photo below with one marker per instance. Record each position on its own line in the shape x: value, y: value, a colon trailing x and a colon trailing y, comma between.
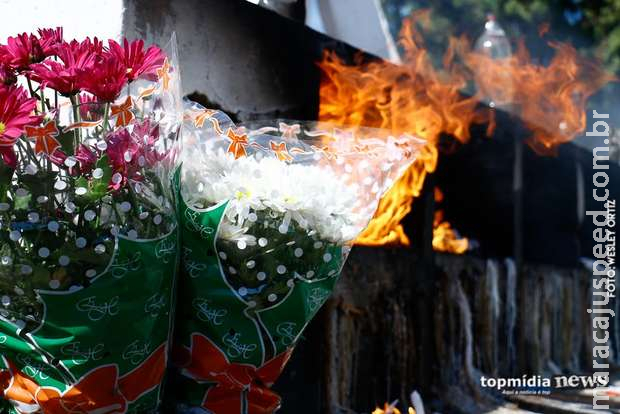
x: 418, y: 98
x: 414, y: 98
x: 551, y: 100
x: 444, y: 237
x: 391, y: 409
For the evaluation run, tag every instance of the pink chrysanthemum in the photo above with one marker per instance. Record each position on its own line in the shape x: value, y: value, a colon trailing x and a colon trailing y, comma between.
x: 86, y: 157
x: 57, y: 157
x: 121, y: 152
x: 129, y: 152
x: 49, y: 39
x: 7, y: 75
x: 106, y: 79
x: 15, y: 114
x: 146, y: 135
x: 21, y: 51
x: 90, y: 108
x: 76, y: 62
x: 139, y: 63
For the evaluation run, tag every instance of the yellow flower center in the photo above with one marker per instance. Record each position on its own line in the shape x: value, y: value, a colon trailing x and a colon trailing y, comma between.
x: 129, y: 70
x: 2, y: 127
x: 242, y: 194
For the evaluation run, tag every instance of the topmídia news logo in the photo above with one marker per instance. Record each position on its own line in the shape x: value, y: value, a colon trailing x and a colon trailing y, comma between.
x: 540, y: 385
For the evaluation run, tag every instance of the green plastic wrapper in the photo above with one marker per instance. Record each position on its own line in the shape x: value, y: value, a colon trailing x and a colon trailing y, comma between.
x: 268, y: 215
x: 89, y: 250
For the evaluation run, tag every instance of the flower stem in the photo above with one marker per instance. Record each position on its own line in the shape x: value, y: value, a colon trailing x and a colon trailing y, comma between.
x: 26, y: 147
x: 76, y: 119
x: 32, y: 93
x: 106, y: 114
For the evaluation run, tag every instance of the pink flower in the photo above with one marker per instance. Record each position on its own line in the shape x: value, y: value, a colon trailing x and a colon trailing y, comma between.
x: 146, y: 135
x: 86, y: 157
x: 95, y: 45
x: 7, y: 75
x: 58, y: 157
x: 15, y: 114
x: 130, y: 152
x: 21, y: 51
x: 121, y: 152
x: 49, y: 39
x: 106, y: 78
x: 138, y: 62
x: 90, y: 108
x: 66, y: 77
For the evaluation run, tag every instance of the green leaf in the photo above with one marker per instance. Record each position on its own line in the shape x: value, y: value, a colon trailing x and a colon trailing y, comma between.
x: 81, y: 182
x: 66, y: 142
x: 82, y: 200
x: 99, y: 186
x: 21, y: 203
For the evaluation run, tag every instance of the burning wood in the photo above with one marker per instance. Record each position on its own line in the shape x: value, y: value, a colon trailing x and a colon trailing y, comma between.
x: 418, y: 98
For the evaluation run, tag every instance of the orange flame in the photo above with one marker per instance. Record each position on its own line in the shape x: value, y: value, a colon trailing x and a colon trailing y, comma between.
x: 551, y: 100
x: 413, y: 98
x: 444, y: 237
x: 417, y: 98
x: 391, y: 409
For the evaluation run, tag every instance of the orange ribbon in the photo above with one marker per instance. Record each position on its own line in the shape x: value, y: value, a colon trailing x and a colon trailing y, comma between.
x: 238, y: 144
x: 83, y: 124
x: 44, y: 136
x: 100, y: 391
x: 163, y: 74
x: 123, y: 112
x: 144, y: 93
x: 233, y: 382
x: 216, y: 126
x: 280, y: 151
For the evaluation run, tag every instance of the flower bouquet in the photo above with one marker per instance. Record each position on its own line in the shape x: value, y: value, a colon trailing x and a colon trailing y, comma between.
x: 88, y: 239
x: 268, y: 215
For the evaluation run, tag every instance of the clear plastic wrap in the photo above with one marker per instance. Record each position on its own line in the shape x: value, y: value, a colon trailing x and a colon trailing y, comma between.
x: 269, y: 212
x: 88, y: 228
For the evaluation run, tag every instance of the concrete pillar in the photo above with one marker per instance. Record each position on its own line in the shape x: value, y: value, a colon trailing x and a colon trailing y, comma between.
x: 242, y: 58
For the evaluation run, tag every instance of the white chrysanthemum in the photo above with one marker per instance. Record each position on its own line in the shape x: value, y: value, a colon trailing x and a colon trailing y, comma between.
x: 311, y: 196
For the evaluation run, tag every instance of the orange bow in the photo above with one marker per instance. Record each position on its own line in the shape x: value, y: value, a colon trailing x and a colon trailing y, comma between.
x: 234, y: 382
x: 326, y: 150
x: 202, y: 116
x: 280, y: 151
x: 44, y: 136
x: 123, y: 112
x: 100, y: 391
x: 289, y: 131
x: 238, y: 144
x: 163, y: 74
